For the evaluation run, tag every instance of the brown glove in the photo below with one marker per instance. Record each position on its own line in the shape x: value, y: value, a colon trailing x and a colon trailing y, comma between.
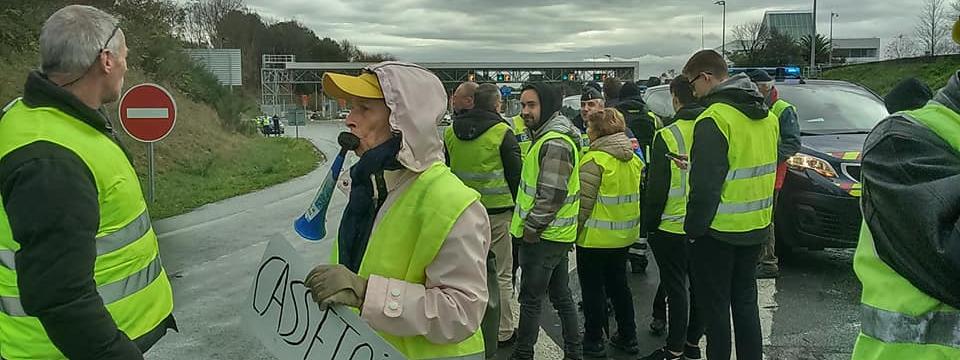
x: 530, y: 236
x: 335, y: 284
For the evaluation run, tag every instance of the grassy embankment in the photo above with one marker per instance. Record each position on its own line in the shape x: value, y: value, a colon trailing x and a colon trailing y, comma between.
x: 200, y: 162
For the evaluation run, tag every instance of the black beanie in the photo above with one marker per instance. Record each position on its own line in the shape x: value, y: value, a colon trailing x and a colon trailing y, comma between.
x: 629, y: 89
x: 589, y: 93
x: 909, y: 94
x: 757, y: 75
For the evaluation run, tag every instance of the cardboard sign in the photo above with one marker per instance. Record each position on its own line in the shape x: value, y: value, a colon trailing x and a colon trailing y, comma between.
x: 280, y: 311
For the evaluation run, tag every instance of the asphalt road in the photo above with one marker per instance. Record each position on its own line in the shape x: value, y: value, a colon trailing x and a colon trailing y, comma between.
x: 810, y: 312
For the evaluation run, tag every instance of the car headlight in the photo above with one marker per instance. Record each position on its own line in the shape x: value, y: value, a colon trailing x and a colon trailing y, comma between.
x: 801, y: 162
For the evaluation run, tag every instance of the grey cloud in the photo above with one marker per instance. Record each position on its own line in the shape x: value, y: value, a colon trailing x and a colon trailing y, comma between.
x: 660, y: 33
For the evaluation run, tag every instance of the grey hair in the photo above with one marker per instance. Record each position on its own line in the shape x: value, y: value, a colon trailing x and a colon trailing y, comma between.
x: 72, y: 38
x: 486, y: 97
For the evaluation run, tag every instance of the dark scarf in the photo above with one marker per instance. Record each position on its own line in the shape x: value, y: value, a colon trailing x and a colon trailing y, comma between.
x: 357, y: 222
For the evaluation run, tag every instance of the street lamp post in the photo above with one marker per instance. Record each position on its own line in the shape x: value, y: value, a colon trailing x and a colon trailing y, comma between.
x: 833, y: 15
x: 723, y: 35
x: 813, y: 41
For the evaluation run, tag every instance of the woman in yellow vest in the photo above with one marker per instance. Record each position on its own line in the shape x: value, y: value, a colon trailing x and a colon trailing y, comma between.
x: 414, y: 269
x: 608, y: 223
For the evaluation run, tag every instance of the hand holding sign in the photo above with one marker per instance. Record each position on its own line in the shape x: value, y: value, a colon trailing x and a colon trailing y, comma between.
x: 283, y: 315
x: 335, y: 284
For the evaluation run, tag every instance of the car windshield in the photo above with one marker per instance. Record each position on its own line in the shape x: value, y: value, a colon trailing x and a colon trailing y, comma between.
x: 822, y: 108
x: 831, y: 109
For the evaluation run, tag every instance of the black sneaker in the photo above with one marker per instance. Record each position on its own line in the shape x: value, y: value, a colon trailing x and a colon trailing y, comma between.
x: 629, y: 345
x: 662, y: 354
x: 767, y: 272
x: 658, y: 326
x: 594, y: 350
x: 691, y: 352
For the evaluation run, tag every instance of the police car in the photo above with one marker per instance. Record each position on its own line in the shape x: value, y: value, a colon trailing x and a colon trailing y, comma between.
x: 819, y: 203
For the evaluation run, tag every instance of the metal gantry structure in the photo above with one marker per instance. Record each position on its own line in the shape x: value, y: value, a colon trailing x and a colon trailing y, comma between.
x: 280, y: 73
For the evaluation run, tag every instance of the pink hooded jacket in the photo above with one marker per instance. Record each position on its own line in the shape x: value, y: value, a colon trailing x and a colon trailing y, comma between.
x: 448, y: 308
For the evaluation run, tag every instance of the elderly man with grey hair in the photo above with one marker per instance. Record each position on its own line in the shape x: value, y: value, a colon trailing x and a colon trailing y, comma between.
x: 483, y: 152
x: 80, y: 270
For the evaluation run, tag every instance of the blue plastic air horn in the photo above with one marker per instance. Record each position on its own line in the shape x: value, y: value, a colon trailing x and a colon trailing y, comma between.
x: 312, y: 225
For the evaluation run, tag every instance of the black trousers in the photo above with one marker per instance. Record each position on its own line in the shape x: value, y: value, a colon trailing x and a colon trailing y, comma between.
x: 660, y: 301
x: 671, y: 252
x: 603, y: 274
x: 725, y: 280
x: 545, y: 273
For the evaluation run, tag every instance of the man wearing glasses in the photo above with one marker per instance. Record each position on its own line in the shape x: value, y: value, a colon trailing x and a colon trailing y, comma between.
x: 80, y: 270
x: 733, y: 170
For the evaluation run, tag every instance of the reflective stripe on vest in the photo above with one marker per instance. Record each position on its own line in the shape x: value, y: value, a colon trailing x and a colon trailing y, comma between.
x: 898, y: 321
x: 677, y: 137
x: 478, y: 164
x: 935, y: 327
x: 532, y: 192
x: 564, y: 227
x: 614, y: 221
x: 612, y: 225
x: 110, y: 293
x: 747, y: 194
x: 106, y: 244
x: 407, y: 240
x: 128, y: 272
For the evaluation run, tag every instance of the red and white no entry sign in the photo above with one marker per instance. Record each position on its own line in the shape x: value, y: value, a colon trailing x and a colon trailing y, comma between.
x: 147, y: 112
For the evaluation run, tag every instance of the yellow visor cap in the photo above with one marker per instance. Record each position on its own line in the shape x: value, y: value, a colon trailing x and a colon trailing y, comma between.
x: 342, y: 86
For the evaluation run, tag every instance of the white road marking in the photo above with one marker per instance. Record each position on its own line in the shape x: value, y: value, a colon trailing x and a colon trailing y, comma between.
x: 766, y: 290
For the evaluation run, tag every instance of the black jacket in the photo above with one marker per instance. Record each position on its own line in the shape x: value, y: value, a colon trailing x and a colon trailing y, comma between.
x: 50, y: 199
x: 634, y: 111
x: 473, y: 123
x: 908, y: 166
x: 658, y: 173
x: 709, y: 163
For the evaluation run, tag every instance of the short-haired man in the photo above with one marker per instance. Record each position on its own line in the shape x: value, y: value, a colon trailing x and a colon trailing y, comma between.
x: 80, y: 270
x: 665, y: 206
x: 462, y: 99
x: 786, y: 114
x: 482, y: 151
x: 733, y: 170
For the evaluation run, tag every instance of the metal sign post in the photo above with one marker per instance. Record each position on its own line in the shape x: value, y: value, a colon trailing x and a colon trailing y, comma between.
x: 148, y: 114
x: 151, y: 169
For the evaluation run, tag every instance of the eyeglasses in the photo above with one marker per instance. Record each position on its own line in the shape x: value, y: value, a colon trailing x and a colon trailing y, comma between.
x: 105, y: 43
x: 102, y: 49
x: 698, y: 77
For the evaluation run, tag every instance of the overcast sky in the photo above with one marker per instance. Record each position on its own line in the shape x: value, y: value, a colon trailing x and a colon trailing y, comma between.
x: 661, y: 34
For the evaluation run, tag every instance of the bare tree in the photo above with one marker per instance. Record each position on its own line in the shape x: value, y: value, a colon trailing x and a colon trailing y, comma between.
x: 931, y: 29
x: 901, y: 47
x: 204, y: 18
x: 752, y: 38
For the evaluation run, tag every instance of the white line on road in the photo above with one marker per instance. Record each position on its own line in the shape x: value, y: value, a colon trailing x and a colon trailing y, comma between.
x: 766, y: 291
x: 147, y: 113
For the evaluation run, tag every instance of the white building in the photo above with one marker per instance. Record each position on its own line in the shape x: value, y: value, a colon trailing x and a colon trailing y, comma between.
x: 857, y: 50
